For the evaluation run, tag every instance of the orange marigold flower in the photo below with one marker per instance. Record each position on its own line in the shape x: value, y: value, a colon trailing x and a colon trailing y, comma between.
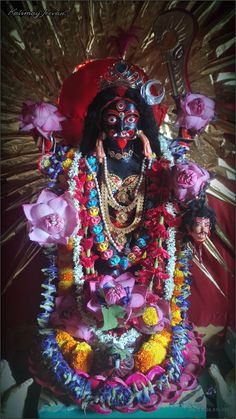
x: 178, y: 277
x: 68, y: 347
x: 62, y: 337
x: 66, y: 274
x: 70, y: 245
x: 174, y: 306
x: 70, y: 154
x: 82, y: 357
x: 150, y: 354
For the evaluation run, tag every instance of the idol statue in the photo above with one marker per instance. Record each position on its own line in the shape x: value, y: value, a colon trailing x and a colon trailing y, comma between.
x: 113, y: 329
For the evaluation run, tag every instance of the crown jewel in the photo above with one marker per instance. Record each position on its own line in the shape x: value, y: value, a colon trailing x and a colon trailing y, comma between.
x: 121, y: 73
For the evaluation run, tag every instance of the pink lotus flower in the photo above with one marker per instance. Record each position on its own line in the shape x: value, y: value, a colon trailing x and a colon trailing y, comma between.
x: 158, y: 318
x: 188, y: 180
x: 52, y: 219
x: 66, y: 315
x: 43, y: 117
x: 196, y: 112
x: 120, y: 291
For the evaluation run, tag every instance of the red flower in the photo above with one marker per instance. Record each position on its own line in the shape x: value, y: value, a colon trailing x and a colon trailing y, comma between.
x: 160, y: 165
x: 80, y: 232
x: 88, y: 262
x: 82, y: 177
x: 87, y: 243
x: 84, y: 217
x: 81, y: 198
x: 144, y: 277
x: 158, y: 252
x: 157, y: 230
x: 152, y: 298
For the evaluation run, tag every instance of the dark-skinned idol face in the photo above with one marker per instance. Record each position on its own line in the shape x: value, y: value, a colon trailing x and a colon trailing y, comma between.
x: 119, y: 122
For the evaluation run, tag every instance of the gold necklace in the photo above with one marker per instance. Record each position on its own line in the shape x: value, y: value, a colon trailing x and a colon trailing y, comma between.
x: 123, y: 212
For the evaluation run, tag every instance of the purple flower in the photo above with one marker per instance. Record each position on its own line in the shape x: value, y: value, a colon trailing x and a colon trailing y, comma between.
x: 188, y: 180
x: 196, y: 112
x: 43, y: 117
x: 52, y: 219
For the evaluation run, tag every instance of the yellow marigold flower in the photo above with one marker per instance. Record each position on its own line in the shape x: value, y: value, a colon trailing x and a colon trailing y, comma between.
x: 68, y: 347
x: 82, y: 357
x: 178, y: 277
x: 176, y: 317
x: 83, y: 346
x: 150, y: 316
x: 63, y: 337
x: 163, y: 337
x: 94, y: 211
x: 66, y: 163
x: 149, y: 355
x: 102, y: 246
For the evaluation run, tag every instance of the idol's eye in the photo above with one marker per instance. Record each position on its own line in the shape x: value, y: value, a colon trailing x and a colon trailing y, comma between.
x: 131, y: 119
x: 110, y: 119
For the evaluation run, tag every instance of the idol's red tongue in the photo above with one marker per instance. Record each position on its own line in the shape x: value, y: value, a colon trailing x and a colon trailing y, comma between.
x: 122, y: 143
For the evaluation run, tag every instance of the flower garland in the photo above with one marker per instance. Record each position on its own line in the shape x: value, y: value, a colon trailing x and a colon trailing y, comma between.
x: 162, y: 359
x: 165, y: 150
x: 138, y: 390
x: 171, y: 249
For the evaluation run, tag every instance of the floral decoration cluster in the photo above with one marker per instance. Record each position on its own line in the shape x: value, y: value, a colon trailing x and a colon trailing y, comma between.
x: 119, y: 342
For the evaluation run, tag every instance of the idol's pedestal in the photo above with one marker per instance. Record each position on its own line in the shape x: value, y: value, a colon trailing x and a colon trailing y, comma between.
x: 192, y: 404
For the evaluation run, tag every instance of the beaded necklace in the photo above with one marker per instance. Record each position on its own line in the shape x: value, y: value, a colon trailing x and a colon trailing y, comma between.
x: 115, y: 260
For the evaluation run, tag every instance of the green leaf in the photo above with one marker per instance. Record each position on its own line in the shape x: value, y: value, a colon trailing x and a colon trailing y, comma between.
x: 110, y: 316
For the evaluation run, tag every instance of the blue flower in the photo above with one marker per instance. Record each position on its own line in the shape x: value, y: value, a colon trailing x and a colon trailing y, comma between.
x: 114, y: 260
x: 124, y: 261
x: 142, y: 396
x: 115, y: 396
x: 97, y: 229
x: 100, y: 238
x: 92, y: 160
x: 92, y: 203
x: 92, y: 193
x: 141, y: 242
